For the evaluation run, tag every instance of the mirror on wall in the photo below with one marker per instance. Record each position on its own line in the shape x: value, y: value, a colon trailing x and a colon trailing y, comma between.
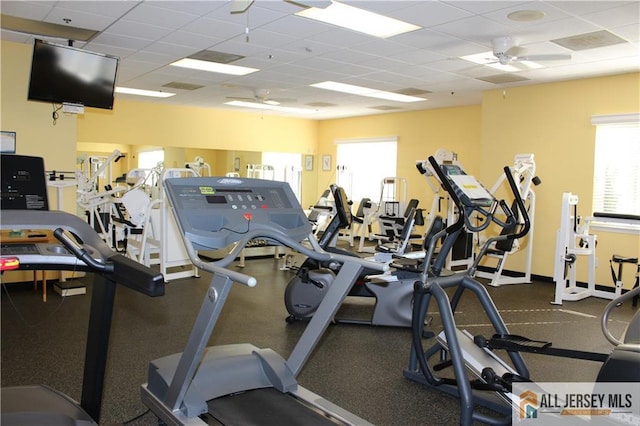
x: 214, y: 162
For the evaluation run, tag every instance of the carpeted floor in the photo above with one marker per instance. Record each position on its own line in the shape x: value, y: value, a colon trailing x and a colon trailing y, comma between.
x: 357, y: 367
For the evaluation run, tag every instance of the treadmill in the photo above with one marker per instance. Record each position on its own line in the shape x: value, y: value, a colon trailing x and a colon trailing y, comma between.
x: 70, y: 244
x: 240, y: 384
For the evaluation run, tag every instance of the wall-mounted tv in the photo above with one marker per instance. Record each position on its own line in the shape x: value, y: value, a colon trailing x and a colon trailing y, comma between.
x: 64, y: 74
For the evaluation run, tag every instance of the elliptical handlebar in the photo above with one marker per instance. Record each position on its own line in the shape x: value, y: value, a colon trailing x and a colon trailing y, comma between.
x: 510, y: 221
x: 609, y: 308
x: 520, y: 203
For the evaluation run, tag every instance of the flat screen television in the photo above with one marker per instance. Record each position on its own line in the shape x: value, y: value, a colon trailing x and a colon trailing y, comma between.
x: 64, y: 74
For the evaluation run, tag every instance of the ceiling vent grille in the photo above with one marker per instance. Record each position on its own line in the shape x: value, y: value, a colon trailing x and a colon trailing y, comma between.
x: 213, y: 56
x: 411, y: 91
x: 182, y: 86
x: 589, y: 40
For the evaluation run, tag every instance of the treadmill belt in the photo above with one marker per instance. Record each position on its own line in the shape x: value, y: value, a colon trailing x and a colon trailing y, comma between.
x: 266, y: 406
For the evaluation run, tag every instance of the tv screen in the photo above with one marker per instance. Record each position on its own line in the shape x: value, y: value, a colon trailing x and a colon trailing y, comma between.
x: 64, y: 74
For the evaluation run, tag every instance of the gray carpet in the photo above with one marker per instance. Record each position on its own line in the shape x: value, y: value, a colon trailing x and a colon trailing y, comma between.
x: 356, y: 367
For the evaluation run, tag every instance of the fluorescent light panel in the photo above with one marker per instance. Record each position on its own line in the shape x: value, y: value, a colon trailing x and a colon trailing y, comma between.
x: 213, y: 67
x: 365, y: 91
x: 360, y: 20
x: 257, y: 105
x: 141, y: 92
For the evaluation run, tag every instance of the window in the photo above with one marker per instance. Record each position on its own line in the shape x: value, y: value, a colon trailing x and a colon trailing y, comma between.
x: 616, y: 185
x: 150, y: 159
x: 363, y: 163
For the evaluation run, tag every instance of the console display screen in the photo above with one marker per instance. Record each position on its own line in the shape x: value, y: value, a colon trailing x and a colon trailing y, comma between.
x: 216, y: 199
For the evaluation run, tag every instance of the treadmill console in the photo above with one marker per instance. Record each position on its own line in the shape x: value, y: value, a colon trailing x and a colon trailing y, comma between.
x: 213, y: 212
x: 23, y: 184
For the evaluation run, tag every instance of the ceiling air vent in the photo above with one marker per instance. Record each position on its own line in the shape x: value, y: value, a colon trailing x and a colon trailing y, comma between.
x: 182, y: 86
x: 589, y: 40
x: 213, y: 56
x: 411, y: 91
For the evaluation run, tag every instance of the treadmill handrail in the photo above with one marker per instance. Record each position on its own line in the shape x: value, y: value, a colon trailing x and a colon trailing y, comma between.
x: 316, y: 253
x: 124, y: 271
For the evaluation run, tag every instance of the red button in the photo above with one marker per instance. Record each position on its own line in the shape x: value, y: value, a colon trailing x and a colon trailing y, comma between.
x: 248, y: 216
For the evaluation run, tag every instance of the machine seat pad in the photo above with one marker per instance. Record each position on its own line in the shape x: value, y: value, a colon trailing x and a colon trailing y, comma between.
x: 623, y: 259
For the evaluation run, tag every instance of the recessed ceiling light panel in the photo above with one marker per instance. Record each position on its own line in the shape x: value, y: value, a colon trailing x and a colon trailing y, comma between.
x: 365, y: 91
x: 360, y: 20
x: 142, y: 92
x: 213, y: 67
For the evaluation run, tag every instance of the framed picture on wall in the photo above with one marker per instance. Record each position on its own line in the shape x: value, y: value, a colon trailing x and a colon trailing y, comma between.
x: 326, y: 163
x: 308, y: 162
x: 7, y: 142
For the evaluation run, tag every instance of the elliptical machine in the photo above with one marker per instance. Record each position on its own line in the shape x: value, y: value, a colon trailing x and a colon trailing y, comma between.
x: 492, y: 387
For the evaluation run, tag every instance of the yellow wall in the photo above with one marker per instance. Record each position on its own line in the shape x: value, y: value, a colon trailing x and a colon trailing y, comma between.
x: 36, y: 134
x: 553, y: 121
x: 419, y: 133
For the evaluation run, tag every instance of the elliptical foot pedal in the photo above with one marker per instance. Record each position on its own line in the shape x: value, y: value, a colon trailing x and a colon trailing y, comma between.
x: 513, y: 342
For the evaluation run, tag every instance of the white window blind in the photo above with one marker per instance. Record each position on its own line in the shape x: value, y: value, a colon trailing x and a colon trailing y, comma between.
x: 616, y: 184
x: 368, y: 161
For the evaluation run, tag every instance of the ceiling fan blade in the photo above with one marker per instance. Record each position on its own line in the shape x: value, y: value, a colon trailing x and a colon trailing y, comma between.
x: 538, y: 58
x: 514, y: 51
x: 240, y: 6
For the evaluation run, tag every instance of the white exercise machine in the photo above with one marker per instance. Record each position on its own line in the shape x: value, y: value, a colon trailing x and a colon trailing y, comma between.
x: 524, y: 174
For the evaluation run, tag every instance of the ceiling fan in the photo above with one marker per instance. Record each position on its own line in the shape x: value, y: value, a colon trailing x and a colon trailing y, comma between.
x: 261, y: 96
x: 506, y: 52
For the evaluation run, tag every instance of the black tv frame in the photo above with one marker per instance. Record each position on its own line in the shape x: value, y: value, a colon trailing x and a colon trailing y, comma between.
x: 59, y: 83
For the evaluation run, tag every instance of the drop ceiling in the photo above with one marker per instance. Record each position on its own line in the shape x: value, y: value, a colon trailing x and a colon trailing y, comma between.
x: 292, y: 52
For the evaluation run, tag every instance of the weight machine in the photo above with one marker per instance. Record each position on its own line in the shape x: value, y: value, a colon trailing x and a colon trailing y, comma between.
x: 99, y: 205
x: 199, y: 166
x: 574, y: 241
x: 524, y: 174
